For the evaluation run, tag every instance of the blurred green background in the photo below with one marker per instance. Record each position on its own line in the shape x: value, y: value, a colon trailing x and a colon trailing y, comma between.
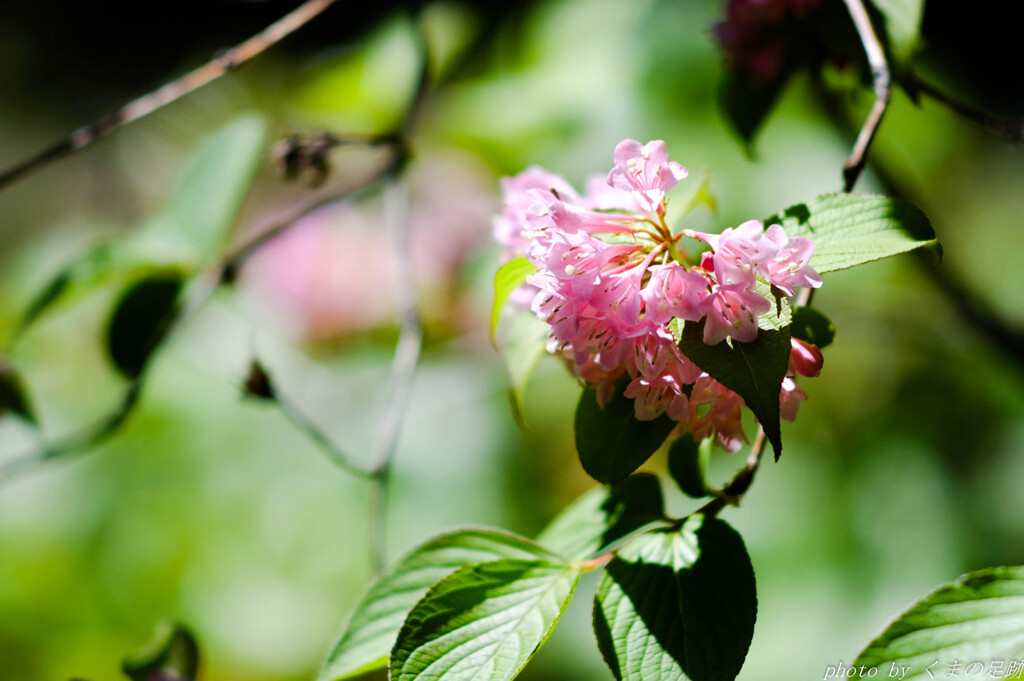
x: 902, y: 471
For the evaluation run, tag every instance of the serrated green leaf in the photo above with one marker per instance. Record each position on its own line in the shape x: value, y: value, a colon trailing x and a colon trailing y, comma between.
x: 12, y: 394
x: 677, y: 604
x: 687, y: 461
x: 374, y: 625
x: 602, y: 516
x: 810, y: 325
x: 141, y: 318
x: 171, y: 655
x: 483, y: 622
x: 507, y: 279
x: 852, y: 229
x: 902, y: 25
x: 610, y: 440
x: 977, y: 618
x: 215, y: 181
x: 752, y: 370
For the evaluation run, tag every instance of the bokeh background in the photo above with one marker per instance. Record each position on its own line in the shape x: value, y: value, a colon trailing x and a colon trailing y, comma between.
x: 903, y: 470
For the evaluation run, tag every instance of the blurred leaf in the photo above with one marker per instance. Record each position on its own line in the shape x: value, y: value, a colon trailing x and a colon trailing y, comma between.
x: 602, y: 516
x: 483, y: 622
x: 977, y: 618
x: 687, y: 461
x: 507, y: 279
x: 611, y: 441
x: 747, y: 103
x: 850, y: 229
x: 171, y: 655
x: 374, y: 625
x: 214, y: 183
x: 902, y: 25
x: 812, y: 326
x: 12, y: 394
x: 525, y: 345
x: 140, y: 320
x: 677, y: 604
x: 752, y: 370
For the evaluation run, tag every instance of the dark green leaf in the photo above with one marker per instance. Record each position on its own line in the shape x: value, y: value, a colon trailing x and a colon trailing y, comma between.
x: 507, y: 279
x: 977, y: 618
x: 812, y: 326
x: 676, y: 605
x: 171, y: 655
x: 483, y: 622
x: 374, y: 625
x: 12, y: 394
x: 851, y: 229
x: 611, y: 441
x: 687, y: 461
x: 141, y: 319
x: 602, y: 516
x: 753, y: 370
x: 747, y: 103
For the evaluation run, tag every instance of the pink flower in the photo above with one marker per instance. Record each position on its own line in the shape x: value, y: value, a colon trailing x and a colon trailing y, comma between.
x: 653, y: 397
x: 804, y: 358
x: 732, y: 310
x: 789, y: 268
x: 741, y: 252
x: 716, y: 411
x: 645, y: 171
x: 509, y: 227
x: 790, y: 397
x: 673, y: 292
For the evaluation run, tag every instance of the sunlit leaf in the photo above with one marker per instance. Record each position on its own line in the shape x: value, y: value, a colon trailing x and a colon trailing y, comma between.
x: 171, y: 655
x: 140, y: 320
x: 902, y: 25
x: 849, y: 229
x: 373, y: 627
x: 507, y: 279
x: 483, y: 622
x: 522, y: 348
x: 976, y: 619
x: 610, y: 440
x: 677, y: 604
x: 602, y: 516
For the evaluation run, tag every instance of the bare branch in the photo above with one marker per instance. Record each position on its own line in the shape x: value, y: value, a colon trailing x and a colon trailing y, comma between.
x: 225, y: 61
x: 883, y: 87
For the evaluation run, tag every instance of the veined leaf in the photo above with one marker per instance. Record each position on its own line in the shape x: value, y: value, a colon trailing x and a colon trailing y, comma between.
x: 852, y: 229
x: 677, y: 604
x: 483, y: 622
x: 611, y: 441
x: 374, y: 625
x: 507, y: 279
x: 602, y: 516
x: 977, y: 618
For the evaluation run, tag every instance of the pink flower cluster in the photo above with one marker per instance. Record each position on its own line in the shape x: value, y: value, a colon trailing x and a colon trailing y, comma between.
x: 611, y: 276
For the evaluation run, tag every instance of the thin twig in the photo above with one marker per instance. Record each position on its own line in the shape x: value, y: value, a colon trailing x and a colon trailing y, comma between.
x: 882, y: 84
x: 225, y: 61
x: 1007, y: 127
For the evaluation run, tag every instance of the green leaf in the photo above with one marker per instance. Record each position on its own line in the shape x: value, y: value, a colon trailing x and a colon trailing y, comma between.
x: 12, y: 394
x: 812, y: 326
x: 977, y: 618
x: 483, y: 622
x: 687, y: 461
x: 525, y: 344
x: 171, y: 655
x: 902, y: 25
x: 611, y: 441
x: 374, y: 625
x: 214, y: 183
x: 602, y: 516
x: 753, y: 370
x: 507, y: 279
x: 677, y: 604
x: 747, y: 103
x: 850, y: 229
x: 140, y: 320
